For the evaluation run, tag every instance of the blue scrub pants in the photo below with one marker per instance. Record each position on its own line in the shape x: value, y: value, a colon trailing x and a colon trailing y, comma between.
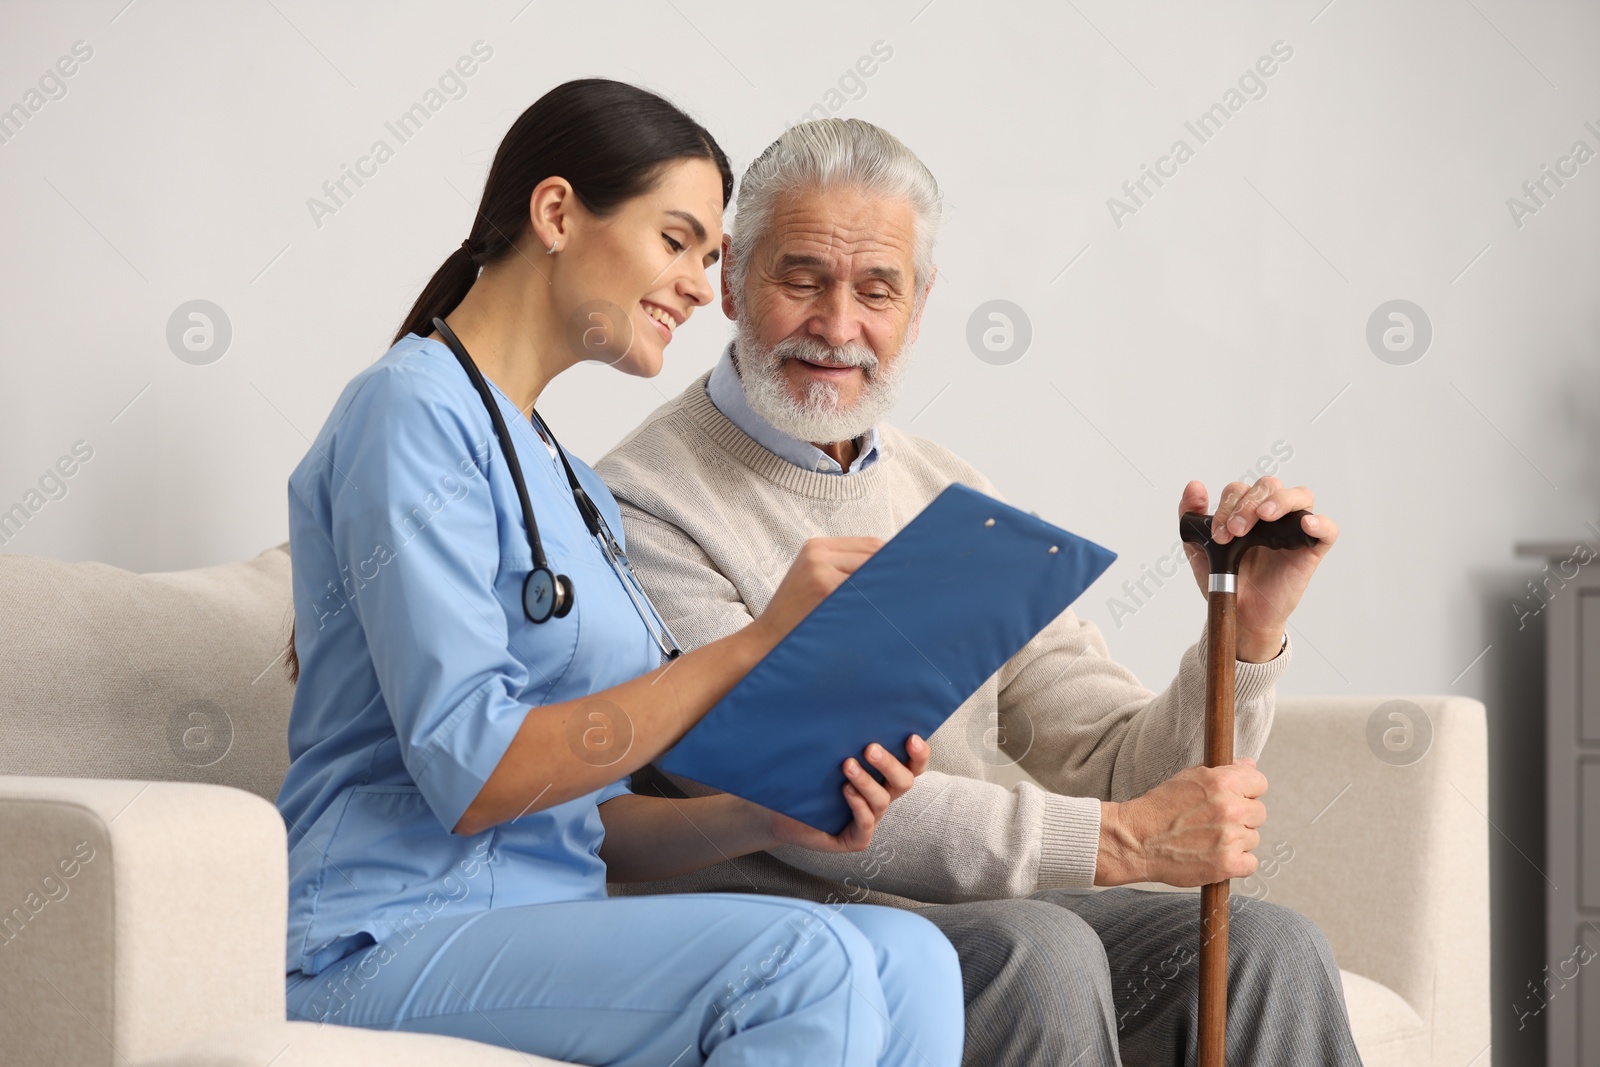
x: 721, y: 979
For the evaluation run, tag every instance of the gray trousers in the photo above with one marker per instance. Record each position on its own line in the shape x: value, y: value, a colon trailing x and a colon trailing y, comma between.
x: 1069, y: 978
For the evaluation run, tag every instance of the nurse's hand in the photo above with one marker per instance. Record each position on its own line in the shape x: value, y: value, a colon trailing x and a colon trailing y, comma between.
x: 867, y: 798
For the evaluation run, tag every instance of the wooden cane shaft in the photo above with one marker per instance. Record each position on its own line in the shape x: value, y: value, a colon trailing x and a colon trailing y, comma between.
x: 1213, y: 974
x: 1221, y: 651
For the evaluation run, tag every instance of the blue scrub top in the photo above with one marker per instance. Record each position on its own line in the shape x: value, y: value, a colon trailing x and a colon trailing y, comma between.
x: 417, y: 664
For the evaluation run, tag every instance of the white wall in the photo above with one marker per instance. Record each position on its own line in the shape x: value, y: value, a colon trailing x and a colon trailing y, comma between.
x: 1223, y: 317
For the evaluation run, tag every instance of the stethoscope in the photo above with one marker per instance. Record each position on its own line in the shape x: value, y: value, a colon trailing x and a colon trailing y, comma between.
x: 547, y: 595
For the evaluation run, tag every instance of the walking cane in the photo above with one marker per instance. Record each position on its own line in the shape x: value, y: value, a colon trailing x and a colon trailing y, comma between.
x: 1221, y: 641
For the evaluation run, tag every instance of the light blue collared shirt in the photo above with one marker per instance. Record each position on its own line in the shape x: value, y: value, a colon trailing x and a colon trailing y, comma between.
x: 727, y: 394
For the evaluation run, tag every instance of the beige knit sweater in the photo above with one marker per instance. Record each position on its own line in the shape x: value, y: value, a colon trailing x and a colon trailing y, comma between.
x: 712, y: 521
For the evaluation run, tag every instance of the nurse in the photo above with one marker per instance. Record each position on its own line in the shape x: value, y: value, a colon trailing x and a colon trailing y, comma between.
x: 462, y: 734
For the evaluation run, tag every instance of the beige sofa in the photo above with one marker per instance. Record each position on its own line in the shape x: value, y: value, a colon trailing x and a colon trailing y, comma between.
x: 143, y: 892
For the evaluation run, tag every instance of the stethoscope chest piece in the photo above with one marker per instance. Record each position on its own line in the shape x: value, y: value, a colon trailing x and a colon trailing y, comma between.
x: 545, y: 595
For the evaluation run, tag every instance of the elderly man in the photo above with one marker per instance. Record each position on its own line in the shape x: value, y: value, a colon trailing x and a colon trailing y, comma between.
x: 826, y: 274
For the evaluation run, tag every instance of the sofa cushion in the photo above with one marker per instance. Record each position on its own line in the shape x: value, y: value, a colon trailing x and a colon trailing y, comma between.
x: 1388, y: 1032
x: 301, y: 1044
x: 175, y: 676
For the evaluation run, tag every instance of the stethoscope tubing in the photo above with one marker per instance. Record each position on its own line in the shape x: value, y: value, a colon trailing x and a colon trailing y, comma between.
x: 595, y: 522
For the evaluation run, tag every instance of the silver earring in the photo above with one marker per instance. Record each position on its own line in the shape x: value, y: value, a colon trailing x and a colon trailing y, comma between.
x: 552, y: 249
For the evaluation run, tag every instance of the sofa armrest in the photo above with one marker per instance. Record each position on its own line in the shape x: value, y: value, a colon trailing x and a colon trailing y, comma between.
x: 136, y: 916
x: 1390, y: 859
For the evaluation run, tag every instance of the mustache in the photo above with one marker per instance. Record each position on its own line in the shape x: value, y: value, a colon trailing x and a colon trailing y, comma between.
x: 812, y: 350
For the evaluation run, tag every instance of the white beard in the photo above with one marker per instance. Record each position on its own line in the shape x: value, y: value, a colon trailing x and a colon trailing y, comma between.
x: 817, y: 418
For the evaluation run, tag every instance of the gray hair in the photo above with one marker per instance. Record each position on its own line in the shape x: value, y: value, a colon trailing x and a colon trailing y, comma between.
x: 828, y: 152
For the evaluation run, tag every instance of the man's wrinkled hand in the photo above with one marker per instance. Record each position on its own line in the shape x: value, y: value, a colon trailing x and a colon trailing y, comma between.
x: 1199, y: 826
x: 1271, y: 581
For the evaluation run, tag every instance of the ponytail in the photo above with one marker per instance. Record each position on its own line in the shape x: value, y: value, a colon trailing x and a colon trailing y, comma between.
x: 609, y: 139
x: 443, y: 293
x: 293, y: 661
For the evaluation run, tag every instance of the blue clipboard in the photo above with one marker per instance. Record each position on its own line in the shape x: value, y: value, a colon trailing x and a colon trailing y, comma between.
x: 892, y: 651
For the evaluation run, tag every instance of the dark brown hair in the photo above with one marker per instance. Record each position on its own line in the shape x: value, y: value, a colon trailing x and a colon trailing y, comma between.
x: 609, y: 139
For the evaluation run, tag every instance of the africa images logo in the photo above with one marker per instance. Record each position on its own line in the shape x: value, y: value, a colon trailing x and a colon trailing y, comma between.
x: 1252, y: 85
x: 451, y: 85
